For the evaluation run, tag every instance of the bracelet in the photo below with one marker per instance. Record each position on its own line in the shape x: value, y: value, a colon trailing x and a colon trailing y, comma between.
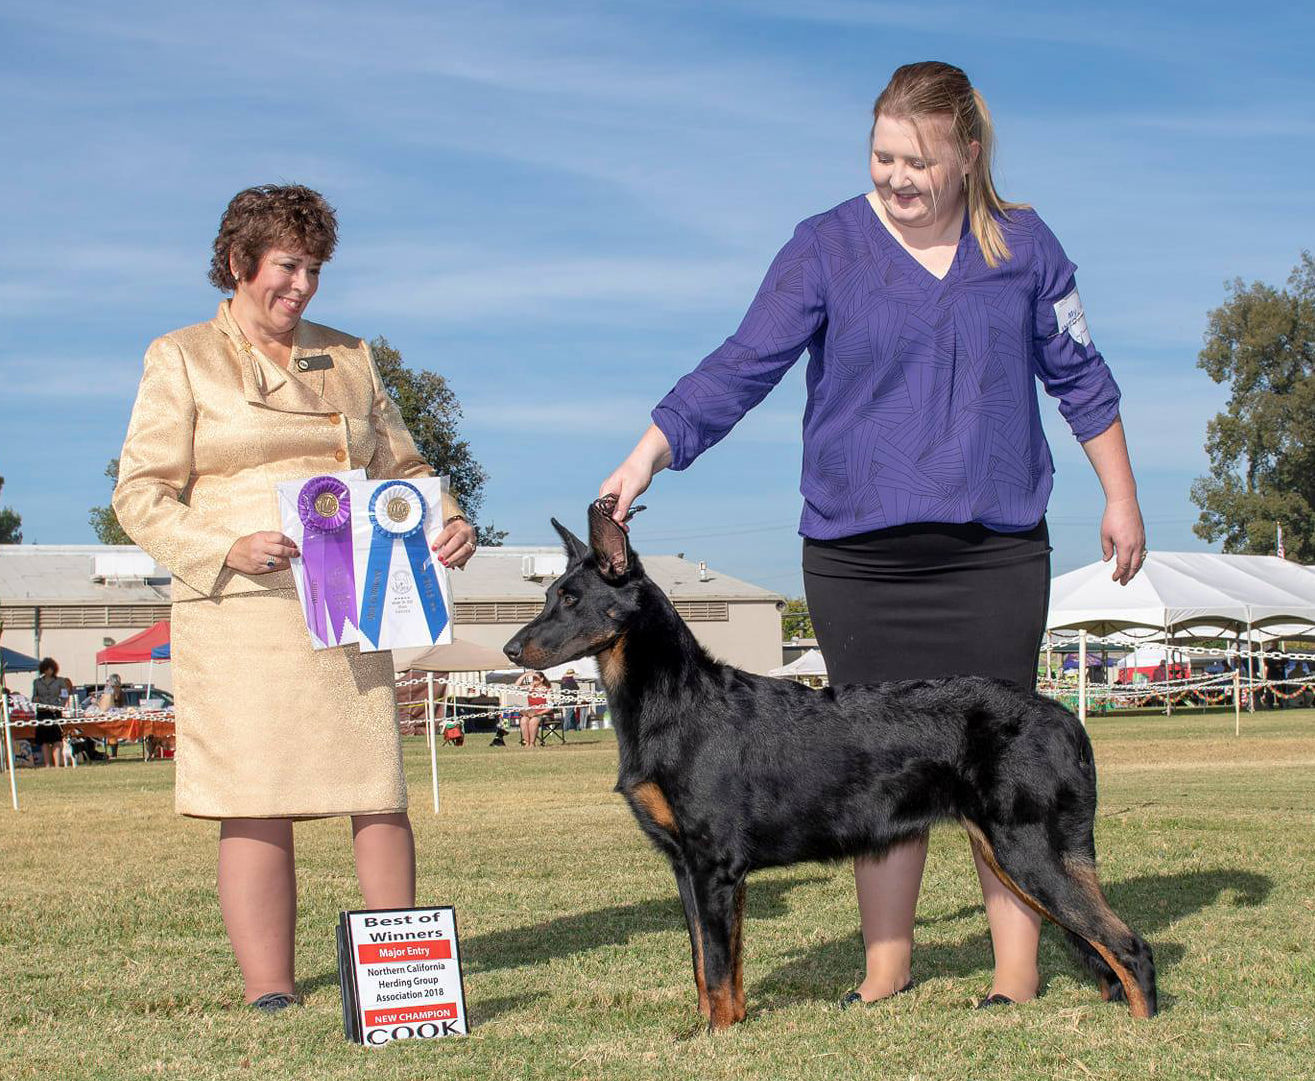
x: 456, y: 518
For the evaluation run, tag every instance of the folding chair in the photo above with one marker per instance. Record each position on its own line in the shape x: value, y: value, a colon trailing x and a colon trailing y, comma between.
x: 550, y: 725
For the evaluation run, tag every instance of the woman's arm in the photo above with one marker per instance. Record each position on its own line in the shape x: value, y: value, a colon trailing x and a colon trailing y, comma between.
x: 631, y: 478
x: 155, y: 467
x: 787, y: 311
x: 1121, y: 528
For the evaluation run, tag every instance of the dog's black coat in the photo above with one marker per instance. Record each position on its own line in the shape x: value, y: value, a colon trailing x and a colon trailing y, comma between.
x: 728, y: 772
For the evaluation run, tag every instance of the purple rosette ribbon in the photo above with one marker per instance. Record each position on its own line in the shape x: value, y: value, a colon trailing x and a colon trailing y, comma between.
x: 325, y: 510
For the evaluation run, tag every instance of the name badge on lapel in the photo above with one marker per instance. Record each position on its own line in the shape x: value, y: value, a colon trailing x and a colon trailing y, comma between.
x: 318, y: 363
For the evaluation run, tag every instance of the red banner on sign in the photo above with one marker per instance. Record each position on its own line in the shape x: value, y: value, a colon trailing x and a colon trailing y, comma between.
x: 412, y: 1015
x: 428, y: 949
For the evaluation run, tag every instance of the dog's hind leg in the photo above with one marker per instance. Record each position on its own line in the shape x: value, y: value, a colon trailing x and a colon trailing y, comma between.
x: 695, y: 925
x: 737, y: 951
x: 720, y: 897
x: 1111, y: 987
x: 1064, y: 889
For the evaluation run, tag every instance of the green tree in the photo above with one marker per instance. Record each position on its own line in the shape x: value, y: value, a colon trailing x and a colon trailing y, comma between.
x: 431, y: 412
x: 11, y: 523
x: 795, y: 620
x: 1261, y: 342
x: 103, y: 519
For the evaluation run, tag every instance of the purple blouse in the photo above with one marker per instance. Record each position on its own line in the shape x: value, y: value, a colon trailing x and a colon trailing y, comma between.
x: 922, y: 400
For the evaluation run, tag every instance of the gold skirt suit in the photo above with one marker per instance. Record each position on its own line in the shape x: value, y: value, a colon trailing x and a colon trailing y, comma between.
x: 267, y: 726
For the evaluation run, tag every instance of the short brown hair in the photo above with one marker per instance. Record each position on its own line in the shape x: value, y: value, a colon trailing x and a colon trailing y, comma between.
x: 933, y: 88
x: 261, y: 217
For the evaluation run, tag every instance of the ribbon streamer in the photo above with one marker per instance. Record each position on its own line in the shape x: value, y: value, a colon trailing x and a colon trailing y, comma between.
x: 324, y: 507
x: 397, y: 513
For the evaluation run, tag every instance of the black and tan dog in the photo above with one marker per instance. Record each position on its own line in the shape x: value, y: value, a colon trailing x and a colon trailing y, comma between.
x: 728, y: 772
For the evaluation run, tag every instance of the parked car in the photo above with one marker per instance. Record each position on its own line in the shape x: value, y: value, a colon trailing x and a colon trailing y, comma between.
x: 133, y: 693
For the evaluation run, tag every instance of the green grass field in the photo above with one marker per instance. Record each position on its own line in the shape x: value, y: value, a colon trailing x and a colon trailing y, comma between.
x: 115, y: 963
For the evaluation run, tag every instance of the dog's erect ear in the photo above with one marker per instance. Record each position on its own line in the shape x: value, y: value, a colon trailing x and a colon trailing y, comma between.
x: 576, y: 549
x: 611, y: 546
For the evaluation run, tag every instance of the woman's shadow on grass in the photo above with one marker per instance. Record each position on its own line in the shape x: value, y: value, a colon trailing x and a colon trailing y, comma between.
x: 1148, y: 903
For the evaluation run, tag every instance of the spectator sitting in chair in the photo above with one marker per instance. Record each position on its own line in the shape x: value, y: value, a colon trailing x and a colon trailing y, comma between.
x: 536, y: 685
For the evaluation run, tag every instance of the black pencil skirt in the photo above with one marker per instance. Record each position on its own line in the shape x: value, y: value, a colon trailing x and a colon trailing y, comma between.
x: 929, y: 600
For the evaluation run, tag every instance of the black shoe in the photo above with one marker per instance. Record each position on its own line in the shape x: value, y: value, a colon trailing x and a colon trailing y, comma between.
x: 274, y: 1002
x: 853, y: 998
x: 995, y: 1000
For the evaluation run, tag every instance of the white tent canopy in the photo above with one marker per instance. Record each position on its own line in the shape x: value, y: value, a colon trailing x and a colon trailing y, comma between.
x: 1185, y: 594
x: 809, y: 664
x: 584, y: 668
x: 1148, y: 656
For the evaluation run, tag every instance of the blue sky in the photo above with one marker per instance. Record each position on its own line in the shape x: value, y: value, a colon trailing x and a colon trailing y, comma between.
x: 563, y: 207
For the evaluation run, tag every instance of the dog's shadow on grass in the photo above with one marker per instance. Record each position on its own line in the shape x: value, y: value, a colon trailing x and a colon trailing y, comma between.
x: 615, y: 926
x: 1148, y: 903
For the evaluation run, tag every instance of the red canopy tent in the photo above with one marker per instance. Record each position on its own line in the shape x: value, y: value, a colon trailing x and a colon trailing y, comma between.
x: 137, y: 648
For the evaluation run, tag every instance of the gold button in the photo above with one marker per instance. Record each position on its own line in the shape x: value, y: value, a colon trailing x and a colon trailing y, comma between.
x: 340, y: 455
x: 334, y: 418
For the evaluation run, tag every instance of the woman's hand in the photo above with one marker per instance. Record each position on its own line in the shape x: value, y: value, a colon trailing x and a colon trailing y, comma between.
x: 456, y: 544
x: 632, y: 477
x: 260, y: 553
x: 1122, y: 532
x: 1121, y: 528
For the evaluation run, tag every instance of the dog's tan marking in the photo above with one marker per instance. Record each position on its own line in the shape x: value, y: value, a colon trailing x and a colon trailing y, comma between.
x: 612, y: 663
x: 1137, y: 1003
x: 700, y: 980
x: 1085, y: 875
x: 649, y: 796
x: 737, y: 953
x: 722, y: 1000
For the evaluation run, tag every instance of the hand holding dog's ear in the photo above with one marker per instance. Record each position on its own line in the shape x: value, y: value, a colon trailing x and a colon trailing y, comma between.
x: 607, y: 539
x: 632, y: 477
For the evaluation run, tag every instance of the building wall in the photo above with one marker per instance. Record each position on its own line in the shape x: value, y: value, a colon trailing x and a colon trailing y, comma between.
x: 744, y: 633
x: 749, y: 639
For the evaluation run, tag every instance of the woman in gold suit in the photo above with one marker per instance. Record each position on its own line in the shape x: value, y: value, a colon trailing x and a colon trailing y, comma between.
x: 269, y: 730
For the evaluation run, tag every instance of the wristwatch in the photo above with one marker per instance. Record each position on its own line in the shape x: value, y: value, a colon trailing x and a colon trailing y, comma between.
x: 456, y: 518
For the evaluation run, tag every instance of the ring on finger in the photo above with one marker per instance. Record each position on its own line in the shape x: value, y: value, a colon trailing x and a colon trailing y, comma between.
x: 269, y: 563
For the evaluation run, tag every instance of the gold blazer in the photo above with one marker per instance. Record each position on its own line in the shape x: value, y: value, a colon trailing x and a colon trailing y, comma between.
x: 217, y: 424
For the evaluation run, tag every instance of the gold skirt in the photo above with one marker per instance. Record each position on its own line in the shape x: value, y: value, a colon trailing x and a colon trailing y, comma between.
x: 270, y: 728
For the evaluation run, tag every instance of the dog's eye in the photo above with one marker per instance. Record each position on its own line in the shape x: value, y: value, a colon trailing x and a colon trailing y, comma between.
x: 567, y: 600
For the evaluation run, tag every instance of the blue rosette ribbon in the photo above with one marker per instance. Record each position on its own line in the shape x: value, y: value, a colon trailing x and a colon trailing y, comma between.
x: 397, y: 515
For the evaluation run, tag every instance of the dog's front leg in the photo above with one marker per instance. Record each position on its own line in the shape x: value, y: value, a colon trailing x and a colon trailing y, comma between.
x: 720, y: 899
x: 686, y: 886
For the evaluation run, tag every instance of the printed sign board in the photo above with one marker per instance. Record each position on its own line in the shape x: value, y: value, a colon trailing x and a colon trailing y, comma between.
x: 400, y: 971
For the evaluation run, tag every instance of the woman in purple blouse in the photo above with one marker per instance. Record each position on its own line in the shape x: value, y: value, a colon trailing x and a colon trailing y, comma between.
x: 929, y: 308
